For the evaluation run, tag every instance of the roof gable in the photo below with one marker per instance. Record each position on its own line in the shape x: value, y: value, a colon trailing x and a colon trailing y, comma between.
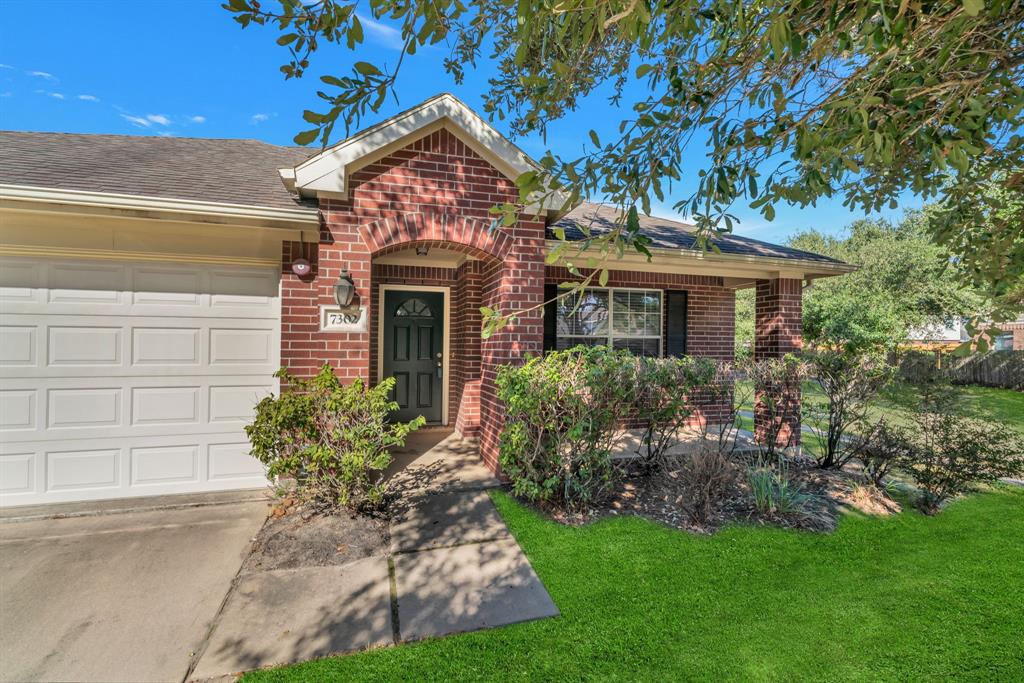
x: 328, y: 173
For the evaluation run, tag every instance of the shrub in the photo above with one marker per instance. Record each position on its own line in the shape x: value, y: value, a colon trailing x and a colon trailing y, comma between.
x: 706, y: 476
x: 333, y: 439
x: 946, y: 454
x: 777, y: 389
x: 668, y: 392
x: 561, y: 412
x: 849, y: 382
x: 881, y: 451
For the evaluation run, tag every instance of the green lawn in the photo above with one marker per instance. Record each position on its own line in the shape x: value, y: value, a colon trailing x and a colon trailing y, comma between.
x: 901, y: 598
x: 898, y: 400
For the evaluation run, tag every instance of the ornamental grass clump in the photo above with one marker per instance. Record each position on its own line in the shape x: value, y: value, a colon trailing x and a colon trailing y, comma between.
x: 333, y: 440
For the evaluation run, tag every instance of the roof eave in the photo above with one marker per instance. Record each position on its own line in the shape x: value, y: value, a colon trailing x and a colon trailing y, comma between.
x: 14, y: 197
x: 729, y: 265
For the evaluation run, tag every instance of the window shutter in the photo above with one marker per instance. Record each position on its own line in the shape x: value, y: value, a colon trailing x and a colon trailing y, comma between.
x: 550, y: 315
x: 675, y: 323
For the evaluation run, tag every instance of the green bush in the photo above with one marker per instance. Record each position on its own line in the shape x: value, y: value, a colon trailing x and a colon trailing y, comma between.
x: 849, y: 381
x: 332, y: 439
x: 947, y: 454
x: 668, y: 393
x: 562, y: 411
x: 776, y: 383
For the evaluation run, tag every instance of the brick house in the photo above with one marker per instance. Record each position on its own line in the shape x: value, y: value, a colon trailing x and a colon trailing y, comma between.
x: 151, y: 286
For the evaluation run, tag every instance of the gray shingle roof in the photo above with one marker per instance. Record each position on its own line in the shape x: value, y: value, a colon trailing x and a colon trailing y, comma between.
x: 222, y: 171
x: 245, y: 172
x: 669, y: 234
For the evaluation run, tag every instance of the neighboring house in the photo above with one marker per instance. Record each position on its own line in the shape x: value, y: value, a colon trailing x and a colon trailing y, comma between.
x: 151, y: 286
x: 1013, y: 339
x: 936, y: 337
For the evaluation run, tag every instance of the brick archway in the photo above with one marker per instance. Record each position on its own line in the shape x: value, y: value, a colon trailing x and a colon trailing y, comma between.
x: 471, y: 235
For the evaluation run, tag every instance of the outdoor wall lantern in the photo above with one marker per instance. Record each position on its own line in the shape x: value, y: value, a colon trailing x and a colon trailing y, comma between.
x: 344, y: 290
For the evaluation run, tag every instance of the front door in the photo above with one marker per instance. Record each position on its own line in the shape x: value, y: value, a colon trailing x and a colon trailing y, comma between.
x: 413, y: 353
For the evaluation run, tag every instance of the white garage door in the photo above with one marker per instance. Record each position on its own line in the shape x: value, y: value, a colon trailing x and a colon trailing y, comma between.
x: 131, y: 379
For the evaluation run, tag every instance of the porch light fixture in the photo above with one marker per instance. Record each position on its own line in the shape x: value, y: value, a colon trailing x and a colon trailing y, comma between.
x: 422, y: 251
x: 301, y: 266
x: 344, y: 290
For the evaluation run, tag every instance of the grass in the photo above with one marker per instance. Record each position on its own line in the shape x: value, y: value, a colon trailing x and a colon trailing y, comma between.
x: 901, y: 598
x: 897, y: 402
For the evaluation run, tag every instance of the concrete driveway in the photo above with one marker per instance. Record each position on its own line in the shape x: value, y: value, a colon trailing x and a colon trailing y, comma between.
x: 120, y: 597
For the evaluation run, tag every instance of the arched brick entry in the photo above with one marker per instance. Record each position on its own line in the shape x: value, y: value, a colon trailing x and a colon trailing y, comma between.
x: 435, y: 192
x: 459, y: 233
x: 503, y: 272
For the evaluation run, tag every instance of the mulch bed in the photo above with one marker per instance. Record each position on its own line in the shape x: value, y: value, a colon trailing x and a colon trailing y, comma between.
x: 293, y: 538
x: 660, y: 498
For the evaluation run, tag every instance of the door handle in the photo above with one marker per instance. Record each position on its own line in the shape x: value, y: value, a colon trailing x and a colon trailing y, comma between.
x: 439, y: 365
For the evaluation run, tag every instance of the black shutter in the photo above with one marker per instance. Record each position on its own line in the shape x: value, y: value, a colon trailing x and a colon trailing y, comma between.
x: 550, y: 315
x: 675, y: 323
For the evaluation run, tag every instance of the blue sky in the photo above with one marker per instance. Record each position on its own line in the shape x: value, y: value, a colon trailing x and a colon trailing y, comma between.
x: 185, y: 68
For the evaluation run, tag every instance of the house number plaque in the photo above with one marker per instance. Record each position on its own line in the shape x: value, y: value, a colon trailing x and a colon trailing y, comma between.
x: 334, y: 319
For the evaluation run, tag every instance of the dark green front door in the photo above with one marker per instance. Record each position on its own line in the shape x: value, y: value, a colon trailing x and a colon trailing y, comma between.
x: 413, y: 337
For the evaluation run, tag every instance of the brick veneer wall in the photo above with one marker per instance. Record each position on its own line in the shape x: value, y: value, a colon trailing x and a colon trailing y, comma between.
x: 436, y: 192
x: 778, y: 330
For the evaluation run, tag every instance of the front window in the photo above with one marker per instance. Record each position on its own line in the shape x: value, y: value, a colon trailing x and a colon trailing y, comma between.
x: 621, y: 318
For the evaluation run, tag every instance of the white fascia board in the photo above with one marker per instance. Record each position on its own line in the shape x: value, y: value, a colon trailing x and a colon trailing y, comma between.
x: 327, y: 172
x: 710, y: 263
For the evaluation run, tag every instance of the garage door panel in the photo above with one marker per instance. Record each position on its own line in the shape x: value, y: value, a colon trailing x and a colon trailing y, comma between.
x: 87, y: 283
x: 91, y: 469
x: 68, y: 408
x: 18, y: 410
x: 83, y: 469
x: 122, y: 380
x: 18, y: 345
x: 165, y: 465
x: 80, y: 408
x: 165, y: 405
x: 18, y: 474
x: 166, y: 346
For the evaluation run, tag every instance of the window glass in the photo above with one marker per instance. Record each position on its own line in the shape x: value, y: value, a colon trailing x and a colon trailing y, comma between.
x: 621, y: 318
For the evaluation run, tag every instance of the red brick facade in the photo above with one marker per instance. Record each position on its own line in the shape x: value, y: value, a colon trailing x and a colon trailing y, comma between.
x: 436, y: 193
x: 778, y: 330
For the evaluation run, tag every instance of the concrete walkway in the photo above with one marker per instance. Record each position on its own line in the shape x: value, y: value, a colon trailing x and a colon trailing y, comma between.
x: 453, y: 566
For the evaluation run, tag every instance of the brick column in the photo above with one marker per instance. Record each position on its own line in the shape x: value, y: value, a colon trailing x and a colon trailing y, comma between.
x: 512, y: 286
x: 778, y: 330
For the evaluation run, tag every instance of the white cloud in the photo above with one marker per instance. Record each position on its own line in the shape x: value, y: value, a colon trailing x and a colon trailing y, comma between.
x: 167, y: 134
x: 6, y: 66
x: 43, y: 75
x: 56, y: 95
x: 259, y: 118
x: 6, y: 93
x: 382, y: 34
x: 197, y: 119
x: 89, y: 98
x: 158, y: 118
x: 137, y: 120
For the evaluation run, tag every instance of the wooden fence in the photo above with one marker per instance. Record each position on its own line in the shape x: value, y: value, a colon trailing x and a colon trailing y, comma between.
x: 994, y: 369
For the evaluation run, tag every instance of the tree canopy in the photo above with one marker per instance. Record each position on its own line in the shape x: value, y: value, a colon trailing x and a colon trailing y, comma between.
x: 793, y: 100
x: 905, y: 282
